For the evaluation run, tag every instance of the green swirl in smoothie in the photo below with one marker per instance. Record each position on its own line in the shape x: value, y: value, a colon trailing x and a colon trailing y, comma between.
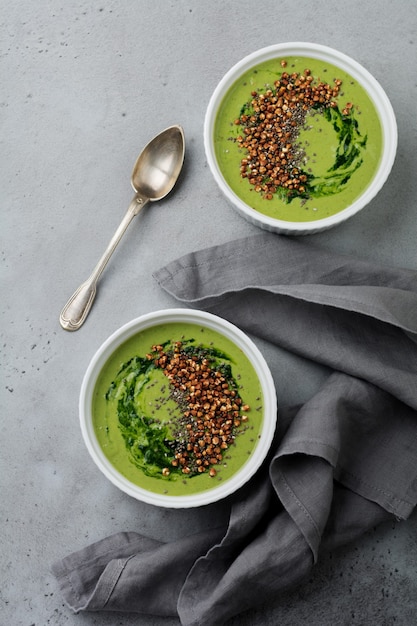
x: 204, y: 418
x: 348, y: 157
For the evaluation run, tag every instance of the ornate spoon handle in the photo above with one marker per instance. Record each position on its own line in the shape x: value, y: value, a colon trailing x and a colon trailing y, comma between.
x: 75, y: 312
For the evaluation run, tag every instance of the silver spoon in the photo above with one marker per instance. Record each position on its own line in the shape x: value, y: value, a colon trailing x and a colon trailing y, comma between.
x: 154, y: 175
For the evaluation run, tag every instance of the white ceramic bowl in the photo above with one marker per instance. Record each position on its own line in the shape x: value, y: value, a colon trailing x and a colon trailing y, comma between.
x: 359, y: 74
x: 259, y: 448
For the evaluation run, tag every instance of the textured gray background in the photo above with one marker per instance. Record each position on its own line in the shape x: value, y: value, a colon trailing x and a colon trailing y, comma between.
x: 84, y: 85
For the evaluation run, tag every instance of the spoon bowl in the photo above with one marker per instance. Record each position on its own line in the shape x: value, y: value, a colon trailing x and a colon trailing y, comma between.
x: 154, y: 174
x: 158, y: 165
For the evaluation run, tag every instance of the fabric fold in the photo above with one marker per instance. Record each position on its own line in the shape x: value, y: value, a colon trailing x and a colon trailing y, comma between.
x: 129, y: 572
x: 341, y: 463
x: 292, y: 267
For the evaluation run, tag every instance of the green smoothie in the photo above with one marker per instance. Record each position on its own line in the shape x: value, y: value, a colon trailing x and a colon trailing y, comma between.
x: 329, y: 149
x: 178, y: 408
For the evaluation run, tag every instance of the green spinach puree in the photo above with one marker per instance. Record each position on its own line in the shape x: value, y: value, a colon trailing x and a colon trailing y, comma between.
x: 177, y: 408
x: 324, y: 155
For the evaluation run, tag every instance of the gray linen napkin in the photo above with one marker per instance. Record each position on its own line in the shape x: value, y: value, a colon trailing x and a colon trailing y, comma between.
x: 341, y: 463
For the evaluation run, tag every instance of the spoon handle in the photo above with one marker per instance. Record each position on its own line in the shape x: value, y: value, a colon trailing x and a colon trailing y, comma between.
x: 75, y: 312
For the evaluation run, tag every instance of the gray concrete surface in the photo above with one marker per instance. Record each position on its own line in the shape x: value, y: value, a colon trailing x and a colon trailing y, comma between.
x: 84, y: 85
